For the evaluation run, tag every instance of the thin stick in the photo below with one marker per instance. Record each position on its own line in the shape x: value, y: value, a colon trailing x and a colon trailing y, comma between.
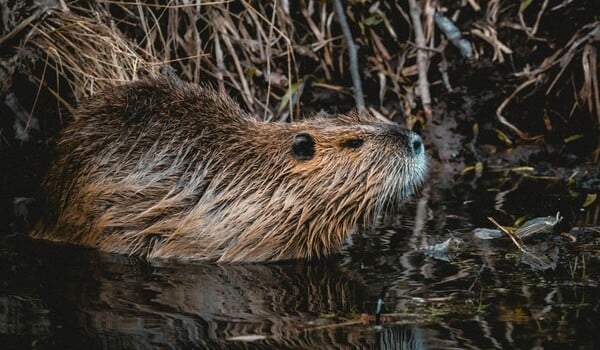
x: 503, y: 105
x: 267, y: 114
x: 422, y: 57
x: 509, y: 234
x: 352, y: 50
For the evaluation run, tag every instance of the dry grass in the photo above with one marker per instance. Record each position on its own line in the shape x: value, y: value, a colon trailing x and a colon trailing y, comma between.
x: 86, y: 53
x: 270, y: 53
x: 252, y: 49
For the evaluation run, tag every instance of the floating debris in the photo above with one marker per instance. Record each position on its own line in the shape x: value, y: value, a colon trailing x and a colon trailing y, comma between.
x: 538, y: 256
x: 487, y: 233
x: 543, y: 224
x: 247, y: 338
x: 448, y: 250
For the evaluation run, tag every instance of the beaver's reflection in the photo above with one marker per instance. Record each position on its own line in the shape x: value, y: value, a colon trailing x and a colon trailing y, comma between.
x: 200, y: 302
x: 127, y: 303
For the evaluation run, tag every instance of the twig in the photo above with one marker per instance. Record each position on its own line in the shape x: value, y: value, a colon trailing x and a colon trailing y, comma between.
x: 352, y: 50
x: 488, y: 33
x: 267, y: 114
x: 566, y: 53
x: 443, y: 67
x: 509, y: 234
x: 220, y: 61
x: 594, y: 83
x: 503, y: 105
x: 474, y: 5
x: 422, y: 57
x: 531, y: 31
x: 245, y: 90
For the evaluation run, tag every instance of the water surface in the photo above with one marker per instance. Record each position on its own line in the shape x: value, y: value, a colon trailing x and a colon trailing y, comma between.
x: 488, y: 295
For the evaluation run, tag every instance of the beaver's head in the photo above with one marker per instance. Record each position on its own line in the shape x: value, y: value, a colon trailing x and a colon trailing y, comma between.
x: 359, y: 159
x: 296, y: 190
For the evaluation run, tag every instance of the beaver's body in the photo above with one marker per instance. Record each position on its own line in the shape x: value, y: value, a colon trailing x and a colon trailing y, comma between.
x: 162, y: 168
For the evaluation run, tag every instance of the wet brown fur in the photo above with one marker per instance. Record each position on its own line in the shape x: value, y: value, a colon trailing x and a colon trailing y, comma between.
x: 162, y: 168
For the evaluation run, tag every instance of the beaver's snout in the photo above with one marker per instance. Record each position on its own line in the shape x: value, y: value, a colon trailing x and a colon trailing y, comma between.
x: 412, y: 141
x: 415, y: 144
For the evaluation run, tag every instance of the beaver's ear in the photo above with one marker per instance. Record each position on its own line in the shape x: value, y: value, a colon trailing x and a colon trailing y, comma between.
x: 303, y: 146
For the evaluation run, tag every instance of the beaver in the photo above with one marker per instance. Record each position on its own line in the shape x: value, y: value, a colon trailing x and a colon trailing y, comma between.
x: 166, y: 169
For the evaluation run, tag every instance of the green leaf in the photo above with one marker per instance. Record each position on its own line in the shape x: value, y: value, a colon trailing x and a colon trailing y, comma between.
x: 373, y: 20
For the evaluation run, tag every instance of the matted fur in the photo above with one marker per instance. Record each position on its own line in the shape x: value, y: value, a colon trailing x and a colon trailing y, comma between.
x: 167, y: 169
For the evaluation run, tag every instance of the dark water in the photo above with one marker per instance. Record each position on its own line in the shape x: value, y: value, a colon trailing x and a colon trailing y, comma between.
x: 487, y: 297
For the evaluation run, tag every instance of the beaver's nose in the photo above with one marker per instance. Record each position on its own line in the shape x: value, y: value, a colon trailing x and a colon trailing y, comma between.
x: 415, y: 144
x: 410, y: 140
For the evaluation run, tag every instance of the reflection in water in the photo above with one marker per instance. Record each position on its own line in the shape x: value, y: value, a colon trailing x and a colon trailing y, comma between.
x: 82, y: 298
x: 68, y: 297
x: 202, y: 305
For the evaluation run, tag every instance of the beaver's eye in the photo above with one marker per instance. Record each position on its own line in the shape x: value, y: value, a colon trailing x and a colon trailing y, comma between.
x: 352, y: 143
x: 304, y: 146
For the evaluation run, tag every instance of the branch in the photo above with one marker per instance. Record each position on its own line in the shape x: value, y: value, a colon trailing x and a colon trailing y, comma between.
x: 422, y: 57
x: 352, y: 49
